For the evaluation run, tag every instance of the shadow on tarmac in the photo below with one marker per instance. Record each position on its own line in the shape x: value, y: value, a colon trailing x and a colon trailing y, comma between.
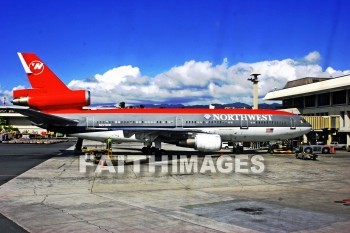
x: 16, y: 159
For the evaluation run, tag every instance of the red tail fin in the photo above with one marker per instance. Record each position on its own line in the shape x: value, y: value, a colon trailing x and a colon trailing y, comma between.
x: 39, y: 74
x: 48, y: 91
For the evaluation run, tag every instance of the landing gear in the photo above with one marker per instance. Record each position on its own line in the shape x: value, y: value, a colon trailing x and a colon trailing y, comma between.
x: 146, y: 150
x: 157, y: 150
x: 79, y: 145
x: 237, y: 149
x: 152, y: 151
x: 160, y: 152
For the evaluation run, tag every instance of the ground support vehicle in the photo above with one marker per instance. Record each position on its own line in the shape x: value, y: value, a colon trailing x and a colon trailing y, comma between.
x: 317, y: 149
x: 312, y: 151
x: 280, y: 149
x: 94, y: 154
x: 304, y: 155
x: 337, y: 145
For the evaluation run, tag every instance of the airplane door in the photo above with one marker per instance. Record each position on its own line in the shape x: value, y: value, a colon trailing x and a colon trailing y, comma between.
x: 179, y: 122
x: 292, y: 123
x: 90, y: 122
x: 244, y: 124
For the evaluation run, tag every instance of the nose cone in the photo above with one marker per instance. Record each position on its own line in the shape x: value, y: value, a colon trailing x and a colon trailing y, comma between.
x: 305, y: 126
x: 306, y: 129
x: 309, y: 126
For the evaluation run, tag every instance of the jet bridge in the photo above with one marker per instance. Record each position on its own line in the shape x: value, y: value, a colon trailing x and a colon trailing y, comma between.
x: 324, y: 122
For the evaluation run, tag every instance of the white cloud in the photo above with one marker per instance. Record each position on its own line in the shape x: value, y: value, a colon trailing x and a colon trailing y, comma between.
x: 192, y: 74
x: 8, y: 95
x: 336, y: 73
x: 118, y: 75
x: 313, y: 57
x: 200, y: 82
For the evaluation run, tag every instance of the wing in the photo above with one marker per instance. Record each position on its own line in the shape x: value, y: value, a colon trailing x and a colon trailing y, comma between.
x: 173, y: 130
x: 169, y: 135
x: 162, y: 134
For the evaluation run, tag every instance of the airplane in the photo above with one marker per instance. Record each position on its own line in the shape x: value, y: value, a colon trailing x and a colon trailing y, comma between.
x: 50, y: 104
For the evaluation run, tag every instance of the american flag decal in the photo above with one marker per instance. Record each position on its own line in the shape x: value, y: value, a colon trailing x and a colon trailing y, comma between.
x: 269, y: 130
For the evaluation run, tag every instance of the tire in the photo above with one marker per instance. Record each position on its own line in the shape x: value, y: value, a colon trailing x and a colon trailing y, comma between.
x: 326, y: 151
x: 226, y: 147
x: 308, y: 150
x: 153, y: 151
x: 159, y: 153
x: 145, y: 150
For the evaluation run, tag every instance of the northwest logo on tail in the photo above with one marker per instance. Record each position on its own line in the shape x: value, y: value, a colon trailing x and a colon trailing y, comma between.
x: 36, y: 67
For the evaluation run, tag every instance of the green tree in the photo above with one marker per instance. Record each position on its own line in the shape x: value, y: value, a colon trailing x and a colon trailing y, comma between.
x: 9, y: 127
x: 3, y: 121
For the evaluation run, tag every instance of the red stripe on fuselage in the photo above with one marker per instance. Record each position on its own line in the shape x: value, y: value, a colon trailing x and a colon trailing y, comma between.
x: 167, y: 111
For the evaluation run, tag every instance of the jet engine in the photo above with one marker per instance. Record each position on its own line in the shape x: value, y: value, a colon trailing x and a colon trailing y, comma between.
x: 203, y: 142
x: 37, y: 99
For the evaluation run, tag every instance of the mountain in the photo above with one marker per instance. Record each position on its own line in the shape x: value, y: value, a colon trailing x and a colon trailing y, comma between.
x: 270, y: 106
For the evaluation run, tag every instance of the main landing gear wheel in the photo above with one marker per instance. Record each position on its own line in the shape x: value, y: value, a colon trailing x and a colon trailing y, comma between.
x: 146, y: 150
x: 152, y: 151
x: 159, y: 153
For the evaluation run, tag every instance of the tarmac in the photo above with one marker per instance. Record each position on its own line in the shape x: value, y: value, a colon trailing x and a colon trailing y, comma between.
x: 289, y: 195
x: 15, y: 160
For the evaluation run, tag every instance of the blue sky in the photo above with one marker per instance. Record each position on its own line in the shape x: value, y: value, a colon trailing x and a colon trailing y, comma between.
x: 79, y: 39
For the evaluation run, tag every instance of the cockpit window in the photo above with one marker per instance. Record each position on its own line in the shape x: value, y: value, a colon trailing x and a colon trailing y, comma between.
x: 302, y: 120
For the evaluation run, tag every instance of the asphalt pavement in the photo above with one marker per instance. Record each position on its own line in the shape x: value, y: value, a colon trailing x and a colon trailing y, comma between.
x: 16, y: 159
x: 67, y: 194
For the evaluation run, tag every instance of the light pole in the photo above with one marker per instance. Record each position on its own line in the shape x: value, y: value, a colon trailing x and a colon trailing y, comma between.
x: 254, y: 80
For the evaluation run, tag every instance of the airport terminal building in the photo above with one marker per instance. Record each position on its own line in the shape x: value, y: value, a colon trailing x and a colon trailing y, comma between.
x: 325, y: 103
x: 19, y: 121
